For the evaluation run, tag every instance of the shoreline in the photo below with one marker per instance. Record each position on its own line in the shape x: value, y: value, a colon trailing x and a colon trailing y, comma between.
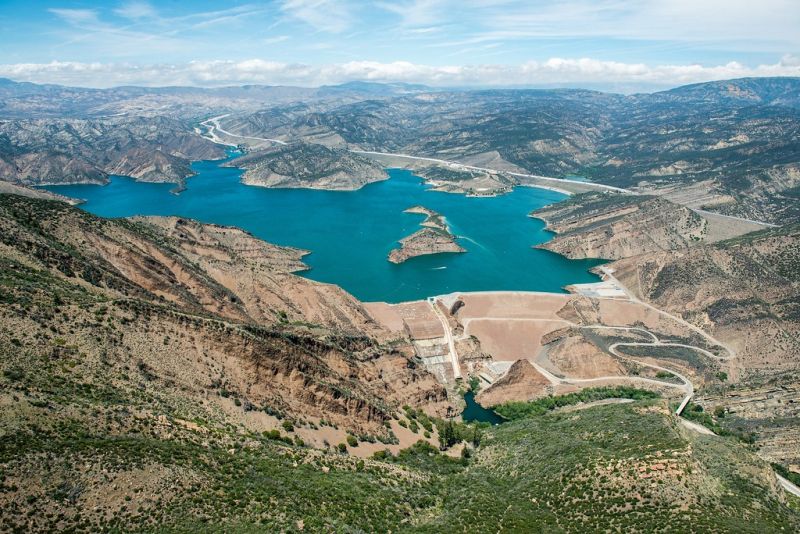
x: 179, y: 187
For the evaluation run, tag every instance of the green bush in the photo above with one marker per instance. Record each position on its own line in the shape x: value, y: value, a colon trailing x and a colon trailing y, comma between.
x: 15, y: 374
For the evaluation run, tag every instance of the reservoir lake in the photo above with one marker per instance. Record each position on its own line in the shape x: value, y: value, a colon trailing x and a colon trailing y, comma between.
x: 350, y: 233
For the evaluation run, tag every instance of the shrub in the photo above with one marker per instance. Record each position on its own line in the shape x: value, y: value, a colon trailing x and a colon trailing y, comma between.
x: 382, y: 455
x: 14, y: 374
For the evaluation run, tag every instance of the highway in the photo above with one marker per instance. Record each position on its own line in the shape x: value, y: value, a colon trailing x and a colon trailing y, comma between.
x: 454, y: 164
x: 213, y: 125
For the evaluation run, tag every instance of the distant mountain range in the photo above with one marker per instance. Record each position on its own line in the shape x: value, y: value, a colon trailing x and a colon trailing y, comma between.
x: 736, y: 143
x: 29, y: 100
x: 730, y: 146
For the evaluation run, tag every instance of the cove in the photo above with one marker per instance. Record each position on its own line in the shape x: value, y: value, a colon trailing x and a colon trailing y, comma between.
x: 351, y: 233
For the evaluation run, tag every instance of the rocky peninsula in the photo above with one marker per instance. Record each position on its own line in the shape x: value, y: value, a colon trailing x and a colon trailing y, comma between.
x: 308, y: 165
x: 434, y: 238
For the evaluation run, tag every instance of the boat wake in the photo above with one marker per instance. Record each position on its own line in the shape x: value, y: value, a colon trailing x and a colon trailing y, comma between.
x: 438, y: 268
x: 465, y: 238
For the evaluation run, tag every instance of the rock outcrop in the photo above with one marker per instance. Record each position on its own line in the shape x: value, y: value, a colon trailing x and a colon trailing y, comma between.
x: 522, y: 382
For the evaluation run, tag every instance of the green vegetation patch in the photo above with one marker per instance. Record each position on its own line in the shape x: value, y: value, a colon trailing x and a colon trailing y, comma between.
x: 521, y: 410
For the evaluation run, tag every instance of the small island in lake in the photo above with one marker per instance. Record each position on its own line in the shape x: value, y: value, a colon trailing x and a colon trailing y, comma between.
x: 434, y: 238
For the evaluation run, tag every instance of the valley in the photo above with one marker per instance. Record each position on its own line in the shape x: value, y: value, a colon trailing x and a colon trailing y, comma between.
x: 239, y: 383
x: 378, y: 307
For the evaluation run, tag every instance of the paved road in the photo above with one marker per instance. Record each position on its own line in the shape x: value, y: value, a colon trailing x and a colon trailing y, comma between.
x: 788, y: 486
x: 457, y: 165
x: 708, y: 337
x: 213, y: 125
x: 594, y: 185
x: 448, y: 335
x: 706, y: 212
x: 557, y: 380
x: 687, y: 385
x: 603, y: 187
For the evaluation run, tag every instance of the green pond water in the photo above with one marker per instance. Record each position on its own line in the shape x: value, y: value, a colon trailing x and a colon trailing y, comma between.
x: 350, y: 234
x: 476, y: 412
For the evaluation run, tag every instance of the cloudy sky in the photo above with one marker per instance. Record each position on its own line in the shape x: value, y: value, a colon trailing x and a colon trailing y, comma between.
x: 613, y: 44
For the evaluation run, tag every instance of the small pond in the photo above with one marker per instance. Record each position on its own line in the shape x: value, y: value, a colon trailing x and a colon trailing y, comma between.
x: 476, y: 412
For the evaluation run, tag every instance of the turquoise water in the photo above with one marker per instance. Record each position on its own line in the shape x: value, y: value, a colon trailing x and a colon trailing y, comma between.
x: 350, y: 234
x: 476, y: 412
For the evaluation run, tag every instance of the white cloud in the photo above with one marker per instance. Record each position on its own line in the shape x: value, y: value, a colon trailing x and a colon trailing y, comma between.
x: 76, y: 16
x: 741, y: 22
x: 276, y: 39
x: 332, y: 16
x: 136, y: 11
x: 418, y: 12
x: 554, y: 71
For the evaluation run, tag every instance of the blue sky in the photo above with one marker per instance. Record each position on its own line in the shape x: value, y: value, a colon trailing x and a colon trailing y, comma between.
x: 607, y: 43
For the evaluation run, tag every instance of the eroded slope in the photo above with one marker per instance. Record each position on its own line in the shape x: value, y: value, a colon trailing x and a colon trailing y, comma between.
x: 614, y: 226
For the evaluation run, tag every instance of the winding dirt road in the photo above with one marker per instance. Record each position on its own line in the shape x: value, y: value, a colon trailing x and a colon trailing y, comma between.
x: 685, y: 385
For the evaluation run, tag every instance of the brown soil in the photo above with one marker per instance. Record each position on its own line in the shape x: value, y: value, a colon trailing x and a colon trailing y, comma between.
x: 522, y: 382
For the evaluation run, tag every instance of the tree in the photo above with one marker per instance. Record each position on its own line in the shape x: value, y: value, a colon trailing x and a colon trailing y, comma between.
x: 447, y: 435
x: 476, y: 436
